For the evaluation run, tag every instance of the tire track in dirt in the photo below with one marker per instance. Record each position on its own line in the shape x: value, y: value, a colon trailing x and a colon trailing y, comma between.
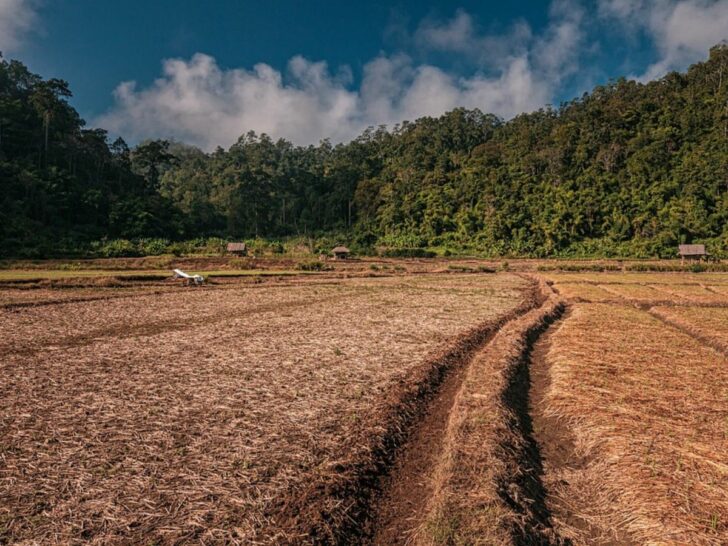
x: 395, y: 467
x: 402, y: 509
x: 559, y: 456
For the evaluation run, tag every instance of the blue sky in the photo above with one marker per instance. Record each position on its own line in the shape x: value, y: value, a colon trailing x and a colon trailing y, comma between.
x: 206, y: 72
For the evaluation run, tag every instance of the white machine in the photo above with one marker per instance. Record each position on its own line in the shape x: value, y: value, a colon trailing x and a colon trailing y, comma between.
x: 190, y: 279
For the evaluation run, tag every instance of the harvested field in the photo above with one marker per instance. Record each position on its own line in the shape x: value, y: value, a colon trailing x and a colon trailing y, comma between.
x: 721, y: 289
x: 584, y: 292
x: 31, y: 297
x: 205, y: 415
x: 639, y: 292
x: 646, y: 406
x: 692, y: 292
x: 435, y: 409
x: 710, y: 325
x: 640, y: 278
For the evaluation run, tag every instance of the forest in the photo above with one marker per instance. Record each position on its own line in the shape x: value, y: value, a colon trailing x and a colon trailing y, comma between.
x: 627, y: 170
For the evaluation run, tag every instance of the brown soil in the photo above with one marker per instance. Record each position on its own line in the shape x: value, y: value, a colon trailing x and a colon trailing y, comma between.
x: 401, y: 509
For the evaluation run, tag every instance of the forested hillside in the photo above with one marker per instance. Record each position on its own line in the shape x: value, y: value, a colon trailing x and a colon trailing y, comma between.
x: 626, y: 170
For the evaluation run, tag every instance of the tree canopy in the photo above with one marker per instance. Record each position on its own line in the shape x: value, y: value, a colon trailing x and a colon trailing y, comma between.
x: 629, y: 169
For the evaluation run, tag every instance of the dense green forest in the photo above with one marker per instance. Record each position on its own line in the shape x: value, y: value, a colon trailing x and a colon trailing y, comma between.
x: 629, y: 169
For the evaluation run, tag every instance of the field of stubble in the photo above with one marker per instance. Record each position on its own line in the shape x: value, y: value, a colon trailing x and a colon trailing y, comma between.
x: 196, y: 414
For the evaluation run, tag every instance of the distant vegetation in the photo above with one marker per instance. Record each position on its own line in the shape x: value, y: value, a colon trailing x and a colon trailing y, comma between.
x: 627, y: 170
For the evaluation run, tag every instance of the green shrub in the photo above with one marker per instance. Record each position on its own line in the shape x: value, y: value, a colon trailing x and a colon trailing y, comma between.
x: 313, y: 266
x: 579, y: 267
x: 408, y: 253
x: 117, y: 248
x: 692, y: 268
x: 153, y: 247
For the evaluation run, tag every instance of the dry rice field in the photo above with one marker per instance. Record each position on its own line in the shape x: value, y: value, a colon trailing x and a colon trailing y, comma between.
x: 431, y: 409
x: 195, y: 415
x: 637, y: 397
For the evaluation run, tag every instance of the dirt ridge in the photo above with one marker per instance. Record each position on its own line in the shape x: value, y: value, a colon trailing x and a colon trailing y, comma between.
x: 705, y: 340
x: 489, y: 487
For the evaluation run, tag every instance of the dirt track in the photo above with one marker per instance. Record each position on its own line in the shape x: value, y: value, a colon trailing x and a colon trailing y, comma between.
x: 401, y: 514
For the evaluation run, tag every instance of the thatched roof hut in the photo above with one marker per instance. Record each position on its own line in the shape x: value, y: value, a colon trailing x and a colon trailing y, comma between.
x: 692, y: 252
x: 240, y: 249
x: 340, y: 252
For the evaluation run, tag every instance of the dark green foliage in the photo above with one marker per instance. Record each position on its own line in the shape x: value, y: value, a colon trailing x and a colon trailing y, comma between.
x: 629, y: 170
x: 579, y: 267
x: 407, y: 253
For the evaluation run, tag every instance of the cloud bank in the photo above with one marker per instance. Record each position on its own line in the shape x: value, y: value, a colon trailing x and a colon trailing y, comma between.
x: 519, y: 70
x: 682, y: 31
x: 17, y: 18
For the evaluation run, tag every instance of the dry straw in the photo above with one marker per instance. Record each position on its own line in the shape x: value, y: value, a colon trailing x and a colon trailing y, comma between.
x: 199, y: 415
x: 647, y: 407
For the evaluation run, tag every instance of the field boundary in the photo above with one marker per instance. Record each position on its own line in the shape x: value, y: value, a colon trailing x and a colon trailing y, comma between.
x: 705, y: 340
x: 338, y: 509
x: 154, y: 328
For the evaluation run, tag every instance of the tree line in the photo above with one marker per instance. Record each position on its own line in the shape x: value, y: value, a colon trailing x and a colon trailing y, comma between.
x: 628, y: 169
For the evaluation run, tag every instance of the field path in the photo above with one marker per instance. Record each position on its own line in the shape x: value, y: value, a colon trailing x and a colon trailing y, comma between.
x: 403, y: 513
x: 402, y: 507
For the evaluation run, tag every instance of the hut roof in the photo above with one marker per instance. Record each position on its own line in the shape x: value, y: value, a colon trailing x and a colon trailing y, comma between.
x: 236, y: 247
x: 340, y: 250
x: 691, y: 250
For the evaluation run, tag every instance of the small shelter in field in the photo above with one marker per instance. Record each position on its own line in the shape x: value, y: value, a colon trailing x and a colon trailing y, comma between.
x: 340, y: 252
x: 239, y: 249
x: 692, y: 252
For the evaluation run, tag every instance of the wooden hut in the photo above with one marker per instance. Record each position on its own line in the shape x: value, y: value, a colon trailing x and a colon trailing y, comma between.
x: 340, y: 252
x: 239, y: 249
x: 692, y: 252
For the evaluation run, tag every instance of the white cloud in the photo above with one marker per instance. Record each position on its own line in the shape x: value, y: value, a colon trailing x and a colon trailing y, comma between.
x: 458, y: 34
x: 682, y: 30
x: 198, y: 102
x: 17, y: 18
